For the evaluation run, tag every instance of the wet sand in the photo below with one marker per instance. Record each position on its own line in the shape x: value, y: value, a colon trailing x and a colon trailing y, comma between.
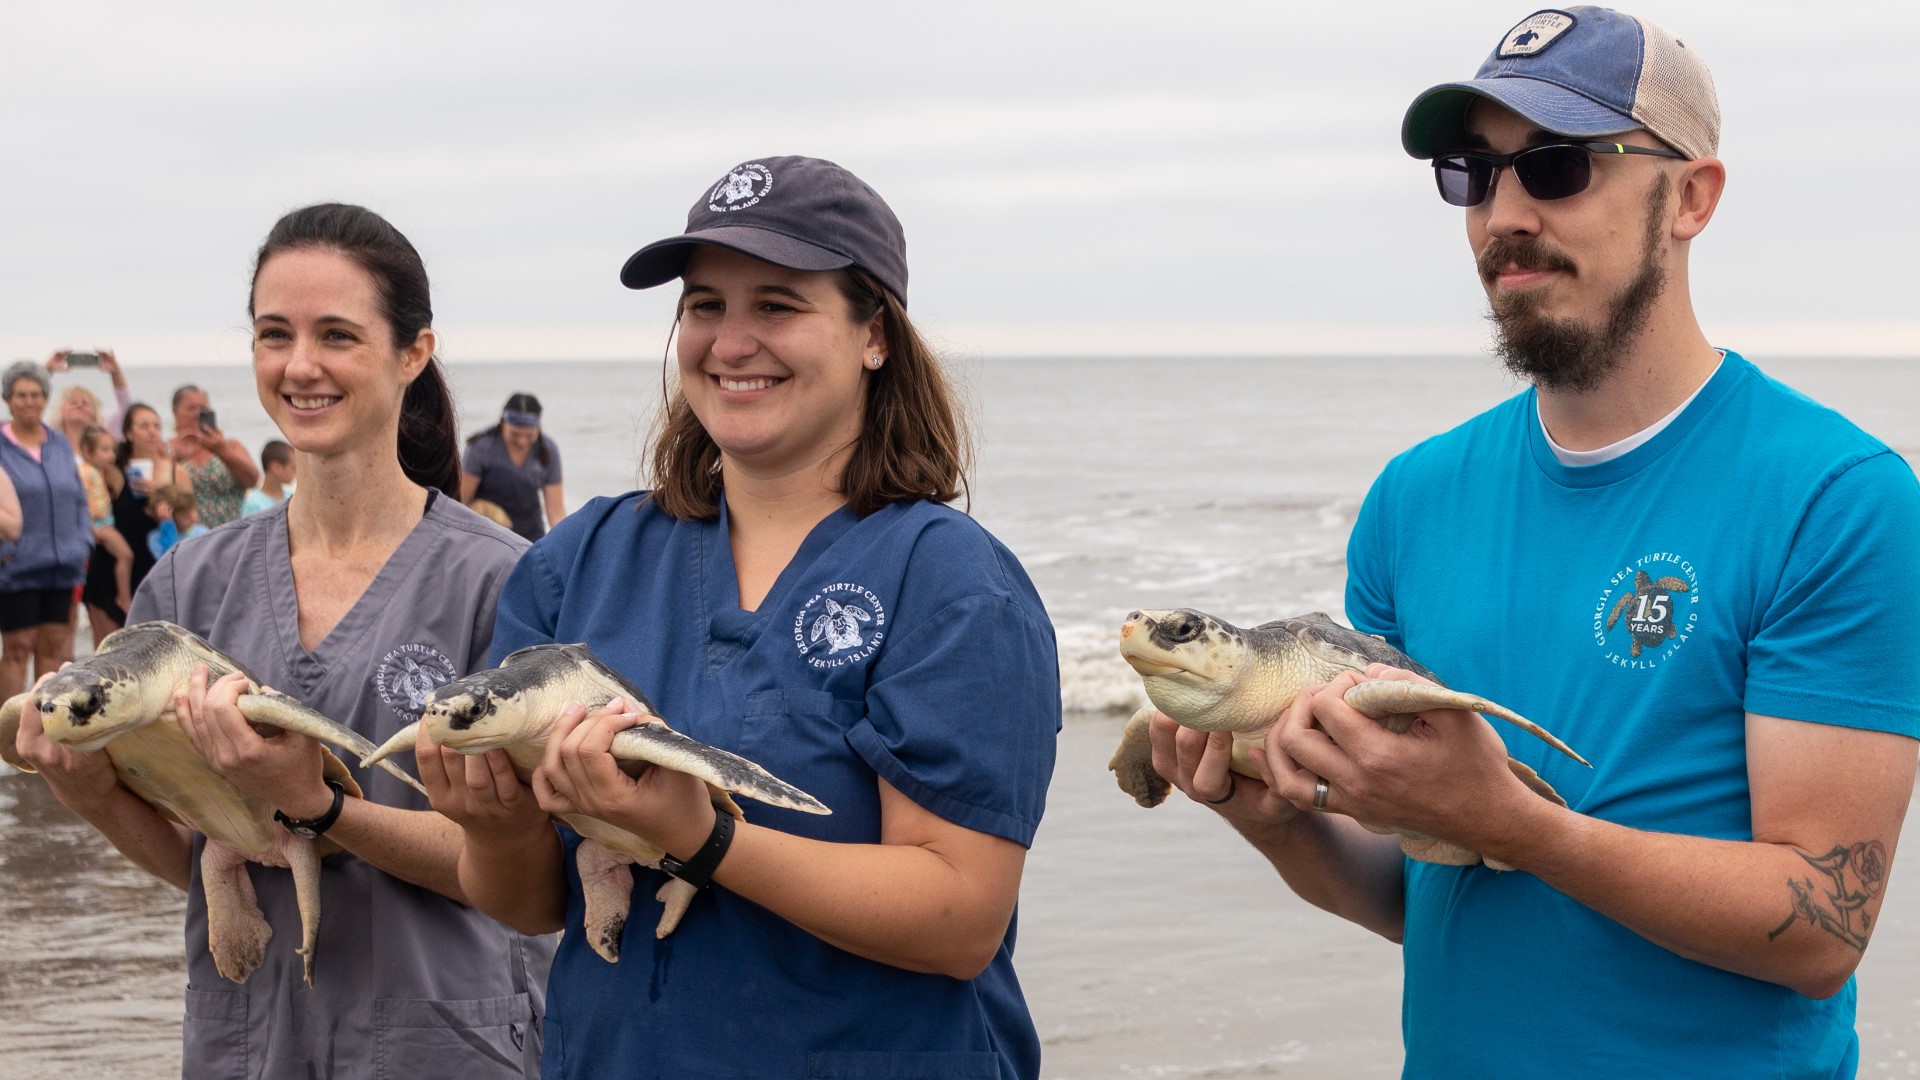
x: 1152, y: 944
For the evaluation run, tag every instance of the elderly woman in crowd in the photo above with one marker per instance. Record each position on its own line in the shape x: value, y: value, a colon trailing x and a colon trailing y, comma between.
x: 41, y: 566
x: 222, y: 470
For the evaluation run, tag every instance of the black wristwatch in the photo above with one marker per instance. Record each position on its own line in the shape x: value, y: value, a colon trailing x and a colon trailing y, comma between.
x: 698, y: 871
x: 311, y: 828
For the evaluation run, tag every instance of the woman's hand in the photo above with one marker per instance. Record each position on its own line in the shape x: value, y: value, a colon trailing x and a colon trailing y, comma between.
x: 579, y: 775
x: 81, y: 780
x: 283, y: 769
x: 480, y: 793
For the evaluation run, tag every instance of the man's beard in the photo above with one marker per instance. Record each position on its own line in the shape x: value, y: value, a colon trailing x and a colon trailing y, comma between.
x: 1566, y: 355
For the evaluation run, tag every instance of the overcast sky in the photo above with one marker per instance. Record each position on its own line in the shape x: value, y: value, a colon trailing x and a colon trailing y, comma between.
x: 1120, y: 177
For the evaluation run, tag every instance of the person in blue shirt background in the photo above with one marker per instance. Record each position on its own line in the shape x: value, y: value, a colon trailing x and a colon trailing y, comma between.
x: 1694, y: 575
x: 794, y: 590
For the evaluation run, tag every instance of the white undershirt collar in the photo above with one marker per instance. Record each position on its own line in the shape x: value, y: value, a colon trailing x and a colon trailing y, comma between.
x: 1582, y: 458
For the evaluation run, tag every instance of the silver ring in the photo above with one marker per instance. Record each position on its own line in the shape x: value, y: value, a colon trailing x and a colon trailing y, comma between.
x: 1319, y: 794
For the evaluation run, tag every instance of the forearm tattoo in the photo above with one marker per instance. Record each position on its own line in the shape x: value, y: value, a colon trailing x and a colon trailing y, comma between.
x: 1836, y: 900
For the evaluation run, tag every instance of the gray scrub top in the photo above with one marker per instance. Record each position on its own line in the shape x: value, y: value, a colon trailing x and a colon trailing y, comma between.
x: 406, y: 982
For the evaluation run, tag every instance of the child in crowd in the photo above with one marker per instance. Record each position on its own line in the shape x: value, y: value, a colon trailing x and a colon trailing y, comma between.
x: 102, y: 479
x: 179, y: 519
x: 276, y: 475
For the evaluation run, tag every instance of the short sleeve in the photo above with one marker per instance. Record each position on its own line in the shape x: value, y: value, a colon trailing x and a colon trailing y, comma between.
x: 963, y: 713
x: 157, y: 597
x: 1369, y: 597
x: 473, y: 461
x: 553, y: 460
x: 527, y: 610
x: 1831, y: 646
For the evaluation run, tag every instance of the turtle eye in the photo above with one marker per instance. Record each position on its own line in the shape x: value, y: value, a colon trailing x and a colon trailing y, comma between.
x: 1182, y: 627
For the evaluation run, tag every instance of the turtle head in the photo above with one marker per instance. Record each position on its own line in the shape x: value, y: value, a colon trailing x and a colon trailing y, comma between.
x: 466, y: 715
x: 1188, y: 659
x: 84, y: 709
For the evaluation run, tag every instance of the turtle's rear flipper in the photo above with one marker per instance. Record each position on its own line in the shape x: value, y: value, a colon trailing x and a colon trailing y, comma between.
x: 1426, y: 849
x: 656, y: 743
x: 237, y: 934
x: 289, y: 714
x: 304, y: 860
x: 1381, y: 698
x: 676, y: 895
x: 9, y: 730
x: 606, y: 892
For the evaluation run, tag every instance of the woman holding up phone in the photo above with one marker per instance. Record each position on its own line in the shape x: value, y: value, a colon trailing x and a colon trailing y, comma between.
x: 222, y: 470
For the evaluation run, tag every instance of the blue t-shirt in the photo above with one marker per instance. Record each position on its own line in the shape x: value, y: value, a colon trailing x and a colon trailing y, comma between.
x: 1758, y: 555
x: 907, y: 645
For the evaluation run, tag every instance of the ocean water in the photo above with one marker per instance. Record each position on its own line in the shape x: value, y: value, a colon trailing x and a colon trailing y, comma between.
x: 1151, y: 944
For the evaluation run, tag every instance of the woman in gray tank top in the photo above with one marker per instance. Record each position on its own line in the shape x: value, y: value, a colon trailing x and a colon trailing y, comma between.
x: 360, y: 595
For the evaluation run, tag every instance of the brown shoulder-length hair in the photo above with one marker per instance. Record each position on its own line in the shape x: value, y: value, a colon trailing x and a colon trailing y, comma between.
x: 913, y: 442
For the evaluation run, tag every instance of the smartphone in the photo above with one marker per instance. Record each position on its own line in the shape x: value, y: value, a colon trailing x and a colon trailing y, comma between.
x: 83, y: 359
x: 209, y: 421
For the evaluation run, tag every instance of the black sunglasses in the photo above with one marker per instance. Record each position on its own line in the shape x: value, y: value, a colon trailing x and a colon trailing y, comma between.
x: 1547, y: 172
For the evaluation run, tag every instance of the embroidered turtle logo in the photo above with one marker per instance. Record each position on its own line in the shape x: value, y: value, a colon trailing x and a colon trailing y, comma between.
x: 738, y: 185
x: 1524, y: 39
x: 416, y: 682
x: 840, y: 626
x: 1651, y: 622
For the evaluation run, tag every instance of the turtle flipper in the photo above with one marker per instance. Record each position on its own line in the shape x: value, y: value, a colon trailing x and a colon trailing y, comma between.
x: 1381, y: 698
x: 402, y: 740
x: 606, y: 893
x: 289, y: 714
x: 1132, y: 763
x: 656, y: 743
x: 10, y: 730
x: 303, y: 859
x: 1428, y: 849
x: 237, y: 933
x: 676, y: 895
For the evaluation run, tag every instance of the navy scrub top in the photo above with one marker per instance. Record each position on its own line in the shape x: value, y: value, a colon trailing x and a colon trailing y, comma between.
x: 908, y: 645
x: 406, y: 983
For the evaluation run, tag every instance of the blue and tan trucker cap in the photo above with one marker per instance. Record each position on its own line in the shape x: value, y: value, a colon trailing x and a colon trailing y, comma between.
x: 1583, y: 72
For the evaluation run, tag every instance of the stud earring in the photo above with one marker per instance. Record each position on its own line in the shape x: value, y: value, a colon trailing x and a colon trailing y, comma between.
x: 874, y: 362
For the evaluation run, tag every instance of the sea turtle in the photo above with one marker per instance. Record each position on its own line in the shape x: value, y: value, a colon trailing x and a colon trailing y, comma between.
x: 120, y: 701
x: 1212, y: 676
x: 1651, y: 622
x: 514, y: 707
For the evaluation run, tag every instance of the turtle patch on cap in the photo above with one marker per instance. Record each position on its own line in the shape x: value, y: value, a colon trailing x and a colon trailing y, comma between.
x: 744, y: 186
x: 1534, y: 33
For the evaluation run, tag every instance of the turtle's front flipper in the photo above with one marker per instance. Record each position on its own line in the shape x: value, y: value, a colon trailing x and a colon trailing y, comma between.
x: 1132, y: 763
x: 606, y: 892
x: 402, y: 740
x: 289, y: 714
x: 1381, y: 698
x: 304, y: 860
x: 658, y: 744
x: 10, y: 730
x: 237, y: 934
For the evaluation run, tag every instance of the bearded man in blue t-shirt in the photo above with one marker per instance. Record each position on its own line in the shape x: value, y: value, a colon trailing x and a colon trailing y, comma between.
x: 1697, y: 577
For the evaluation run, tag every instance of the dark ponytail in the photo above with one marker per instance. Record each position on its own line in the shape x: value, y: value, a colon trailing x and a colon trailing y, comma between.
x: 429, y: 439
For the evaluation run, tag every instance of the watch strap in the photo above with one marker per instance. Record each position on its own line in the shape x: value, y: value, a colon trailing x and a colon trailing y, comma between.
x: 311, y: 828
x: 698, y: 871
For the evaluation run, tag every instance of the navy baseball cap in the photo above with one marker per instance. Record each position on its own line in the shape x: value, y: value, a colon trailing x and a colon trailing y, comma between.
x: 1582, y: 72
x: 798, y: 212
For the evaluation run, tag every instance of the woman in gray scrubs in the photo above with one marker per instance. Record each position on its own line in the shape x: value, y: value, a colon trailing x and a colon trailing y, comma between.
x: 360, y: 595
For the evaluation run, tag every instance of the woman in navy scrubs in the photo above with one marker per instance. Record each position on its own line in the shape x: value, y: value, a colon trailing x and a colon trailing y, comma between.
x: 794, y: 590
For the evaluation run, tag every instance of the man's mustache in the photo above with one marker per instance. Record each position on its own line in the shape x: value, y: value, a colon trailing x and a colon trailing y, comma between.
x: 1501, y: 255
